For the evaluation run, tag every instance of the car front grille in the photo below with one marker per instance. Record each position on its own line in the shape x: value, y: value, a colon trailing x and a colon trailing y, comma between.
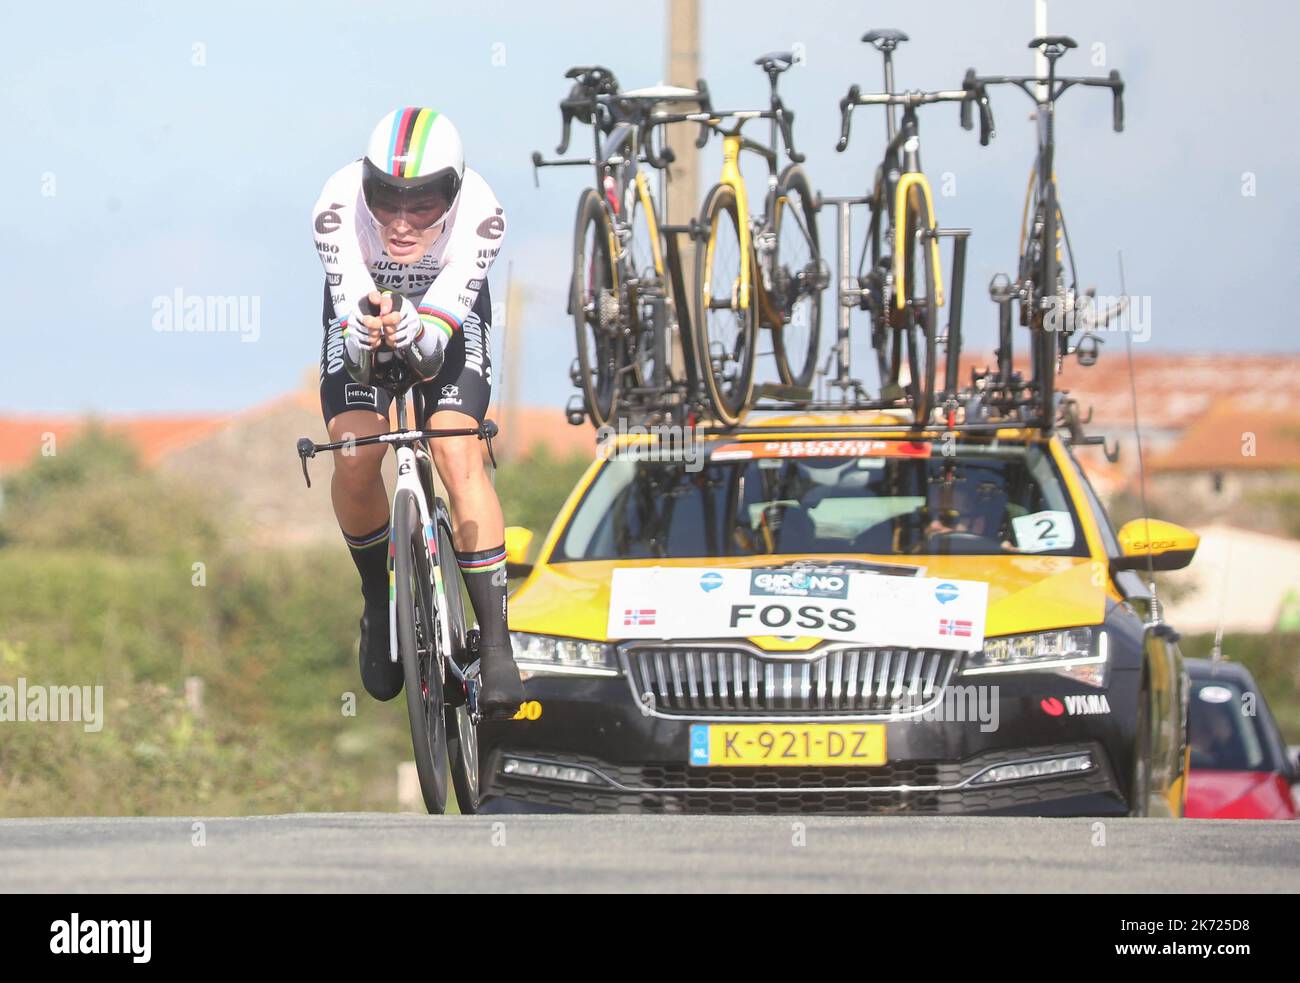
x: 898, y: 787
x: 732, y: 681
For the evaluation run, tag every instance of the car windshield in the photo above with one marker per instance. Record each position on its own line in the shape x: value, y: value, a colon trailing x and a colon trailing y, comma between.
x: 879, y: 497
x: 1223, y: 736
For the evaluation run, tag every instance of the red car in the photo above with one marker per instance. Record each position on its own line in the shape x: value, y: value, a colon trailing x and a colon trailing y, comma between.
x: 1241, y: 767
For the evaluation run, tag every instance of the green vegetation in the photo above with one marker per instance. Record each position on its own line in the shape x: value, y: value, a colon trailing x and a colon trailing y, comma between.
x: 533, y: 489
x: 112, y: 575
x: 1272, y: 660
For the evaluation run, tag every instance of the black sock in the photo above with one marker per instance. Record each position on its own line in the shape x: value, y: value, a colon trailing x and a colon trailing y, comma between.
x: 485, y: 578
x: 370, y: 554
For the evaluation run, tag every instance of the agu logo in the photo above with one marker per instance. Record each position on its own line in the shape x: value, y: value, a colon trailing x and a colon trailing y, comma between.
x: 945, y: 592
x: 710, y: 581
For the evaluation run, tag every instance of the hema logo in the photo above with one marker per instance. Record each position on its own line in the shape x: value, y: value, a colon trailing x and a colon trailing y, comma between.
x: 102, y: 937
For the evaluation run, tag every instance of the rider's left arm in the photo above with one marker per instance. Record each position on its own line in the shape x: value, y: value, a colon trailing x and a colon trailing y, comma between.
x: 476, y: 239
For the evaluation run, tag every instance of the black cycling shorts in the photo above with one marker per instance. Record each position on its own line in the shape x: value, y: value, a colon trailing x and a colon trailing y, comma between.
x: 464, y: 383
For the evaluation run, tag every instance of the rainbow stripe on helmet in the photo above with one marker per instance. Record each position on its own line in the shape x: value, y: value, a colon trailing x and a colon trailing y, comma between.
x: 410, y: 136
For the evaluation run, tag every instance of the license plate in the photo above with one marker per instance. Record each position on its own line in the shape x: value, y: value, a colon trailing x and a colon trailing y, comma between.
x: 777, y: 745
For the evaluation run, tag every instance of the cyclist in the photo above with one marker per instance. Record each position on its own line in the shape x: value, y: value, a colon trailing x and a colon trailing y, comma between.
x: 406, y: 235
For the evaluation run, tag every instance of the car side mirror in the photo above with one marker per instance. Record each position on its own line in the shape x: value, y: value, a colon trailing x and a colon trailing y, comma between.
x: 518, y: 539
x: 1155, y: 543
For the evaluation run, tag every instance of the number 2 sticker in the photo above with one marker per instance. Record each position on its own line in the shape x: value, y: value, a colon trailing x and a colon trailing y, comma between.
x: 1047, y: 530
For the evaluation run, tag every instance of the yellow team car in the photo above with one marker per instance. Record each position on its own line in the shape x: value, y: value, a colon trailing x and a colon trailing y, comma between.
x: 836, y: 613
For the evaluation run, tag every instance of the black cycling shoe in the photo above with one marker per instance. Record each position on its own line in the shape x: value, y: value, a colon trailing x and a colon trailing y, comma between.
x: 501, y: 690
x: 381, y: 676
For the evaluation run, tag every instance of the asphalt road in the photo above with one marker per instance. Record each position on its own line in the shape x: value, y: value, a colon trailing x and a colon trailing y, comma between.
x: 388, y: 852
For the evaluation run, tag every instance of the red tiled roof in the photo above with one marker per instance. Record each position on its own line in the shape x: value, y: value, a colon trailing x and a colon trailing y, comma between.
x: 1172, y: 388
x: 1253, y: 432
x: 23, y: 438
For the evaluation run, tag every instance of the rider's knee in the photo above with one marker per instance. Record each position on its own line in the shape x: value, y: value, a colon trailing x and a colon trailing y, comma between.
x: 457, y: 460
x: 358, y: 463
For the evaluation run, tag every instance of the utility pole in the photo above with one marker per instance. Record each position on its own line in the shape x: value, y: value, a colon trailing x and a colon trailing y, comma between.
x: 684, y: 70
x: 513, y: 344
x: 683, y: 174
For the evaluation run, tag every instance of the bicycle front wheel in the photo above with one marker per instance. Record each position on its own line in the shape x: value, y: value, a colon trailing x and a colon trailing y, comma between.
x: 921, y: 314
x: 796, y: 280
x: 725, y: 324
x: 418, y: 646
x: 462, y: 735
x: 594, y: 303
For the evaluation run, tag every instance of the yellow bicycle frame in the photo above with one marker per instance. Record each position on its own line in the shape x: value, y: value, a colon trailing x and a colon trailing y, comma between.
x: 900, y: 231
x: 647, y: 206
x: 732, y: 178
x: 616, y: 248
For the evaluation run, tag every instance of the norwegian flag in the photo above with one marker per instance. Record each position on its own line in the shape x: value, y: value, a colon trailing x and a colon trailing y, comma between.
x: 638, y: 616
x: 954, y: 626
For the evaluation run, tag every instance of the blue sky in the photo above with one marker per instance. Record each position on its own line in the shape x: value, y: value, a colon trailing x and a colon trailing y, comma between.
x: 132, y: 172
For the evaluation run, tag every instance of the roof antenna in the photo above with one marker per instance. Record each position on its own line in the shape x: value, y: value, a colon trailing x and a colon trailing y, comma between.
x: 1142, y: 479
x: 1216, y: 653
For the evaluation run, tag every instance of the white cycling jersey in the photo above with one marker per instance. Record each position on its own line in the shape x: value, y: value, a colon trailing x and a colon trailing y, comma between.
x: 443, y: 283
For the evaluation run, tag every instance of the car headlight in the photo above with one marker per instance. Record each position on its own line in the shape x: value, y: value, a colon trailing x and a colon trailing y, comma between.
x: 554, y: 656
x: 1079, y: 653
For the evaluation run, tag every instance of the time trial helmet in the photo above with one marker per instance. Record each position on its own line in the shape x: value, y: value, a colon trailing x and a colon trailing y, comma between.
x: 414, y: 165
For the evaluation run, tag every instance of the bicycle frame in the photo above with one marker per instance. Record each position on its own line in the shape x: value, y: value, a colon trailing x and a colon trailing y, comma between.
x: 733, y: 143
x: 895, y: 178
x: 1044, y: 93
x: 633, y: 184
x: 413, y: 465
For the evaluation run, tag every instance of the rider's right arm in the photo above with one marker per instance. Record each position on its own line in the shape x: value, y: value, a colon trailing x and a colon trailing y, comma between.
x: 336, y: 223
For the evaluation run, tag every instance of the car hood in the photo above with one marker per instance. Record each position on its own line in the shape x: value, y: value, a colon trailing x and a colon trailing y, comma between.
x: 1026, y: 593
x: 1237, y: 795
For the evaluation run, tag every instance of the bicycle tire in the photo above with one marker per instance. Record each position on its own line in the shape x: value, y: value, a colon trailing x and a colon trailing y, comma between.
x: 921, y: 319
x: 729, y: 395
x: 796, y: 355
x: 462, y: 735
x: 1045, y: 352
x: 594, y: 289
x: 418, y: 648
x: 649, y: 360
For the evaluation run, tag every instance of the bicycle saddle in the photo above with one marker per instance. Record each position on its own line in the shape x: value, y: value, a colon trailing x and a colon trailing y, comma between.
x: 885, y: 38
x: 1059, y: 42
x: 595, y: 77
x: 775, y: 62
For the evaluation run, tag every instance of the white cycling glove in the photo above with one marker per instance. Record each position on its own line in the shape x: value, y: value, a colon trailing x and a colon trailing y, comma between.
x: 409, y: 327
